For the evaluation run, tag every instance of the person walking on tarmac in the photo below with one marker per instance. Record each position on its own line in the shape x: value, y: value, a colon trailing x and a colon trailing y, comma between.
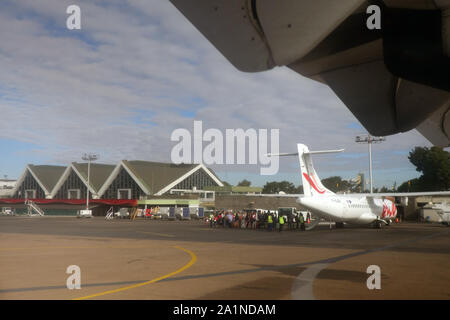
x: 302, y: 221
x: 281, y: 222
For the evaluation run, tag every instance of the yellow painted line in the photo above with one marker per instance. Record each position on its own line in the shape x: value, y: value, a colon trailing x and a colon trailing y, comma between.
x: 158, y: 234
x: 186, y: 266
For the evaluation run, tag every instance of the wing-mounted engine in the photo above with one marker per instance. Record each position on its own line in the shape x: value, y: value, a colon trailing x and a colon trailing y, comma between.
x: 392, y: 79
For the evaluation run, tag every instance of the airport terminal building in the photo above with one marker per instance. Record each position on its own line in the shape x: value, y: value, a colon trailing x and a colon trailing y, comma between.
x: 129, y: 183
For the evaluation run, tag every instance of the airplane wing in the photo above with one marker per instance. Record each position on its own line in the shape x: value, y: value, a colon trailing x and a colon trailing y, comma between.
x: 407, y: 194
x: 278, y: 195
x: 393, y: 80
x: 369, y: 195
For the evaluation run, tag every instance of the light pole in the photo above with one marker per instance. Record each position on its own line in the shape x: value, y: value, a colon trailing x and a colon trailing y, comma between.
x: 369, y: 140
x: 89, y: 157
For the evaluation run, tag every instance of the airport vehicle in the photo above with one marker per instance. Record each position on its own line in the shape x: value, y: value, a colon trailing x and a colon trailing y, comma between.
x: 393, y: 76
x: 443, y: 210
x: 311, y: 221
x: 7, y: 211
x: 84, y: 214
x: 122, y: 213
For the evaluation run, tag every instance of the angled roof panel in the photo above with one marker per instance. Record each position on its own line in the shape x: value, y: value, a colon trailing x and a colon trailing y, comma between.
x: 156, y: 175
x: 48, y: 176
x: 99, y: 173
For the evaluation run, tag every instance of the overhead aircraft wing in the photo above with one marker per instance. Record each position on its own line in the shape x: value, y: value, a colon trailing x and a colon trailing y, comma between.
x: 393, y: 80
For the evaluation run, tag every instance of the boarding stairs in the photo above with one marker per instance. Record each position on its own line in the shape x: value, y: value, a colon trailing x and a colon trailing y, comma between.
x: 313, y: 222
x: 110, y: 214
x: 134, y: 213
x: 33, y: 207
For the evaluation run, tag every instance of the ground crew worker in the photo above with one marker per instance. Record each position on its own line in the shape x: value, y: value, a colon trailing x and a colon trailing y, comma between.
x: 247, y: 219
x: 270, y: 222
x: 289, y: 219
x: 281, y: 221
x: 211, y: 220
x: 302, y: 221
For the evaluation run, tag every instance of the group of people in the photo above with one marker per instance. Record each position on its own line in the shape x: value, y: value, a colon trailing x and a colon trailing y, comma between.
x: 267, y: 220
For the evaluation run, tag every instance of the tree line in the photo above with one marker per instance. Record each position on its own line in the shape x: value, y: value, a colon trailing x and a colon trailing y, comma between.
x: 433, y: 163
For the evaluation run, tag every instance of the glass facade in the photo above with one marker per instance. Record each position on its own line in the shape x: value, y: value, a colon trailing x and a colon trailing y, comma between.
x: 198, y: 179
x: 29, y: 183
x: 123, y: 181
x: 73, y: 182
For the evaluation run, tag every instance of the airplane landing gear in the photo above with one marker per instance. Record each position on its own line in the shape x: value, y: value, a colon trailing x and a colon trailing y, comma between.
x: 378, y: 224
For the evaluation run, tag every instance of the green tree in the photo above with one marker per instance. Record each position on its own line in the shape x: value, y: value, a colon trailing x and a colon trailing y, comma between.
x: 276, y: 187
x: 299, y: 189
x: 434, y: 164
x: 244, y: 183
x: 336, y: 184
x: 410, y: 186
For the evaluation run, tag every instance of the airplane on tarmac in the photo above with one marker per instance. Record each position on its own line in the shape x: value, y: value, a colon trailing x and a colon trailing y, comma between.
x: 358, y: 209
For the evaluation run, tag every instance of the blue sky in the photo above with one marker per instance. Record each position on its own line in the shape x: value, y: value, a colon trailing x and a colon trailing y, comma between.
x: 136, y: 71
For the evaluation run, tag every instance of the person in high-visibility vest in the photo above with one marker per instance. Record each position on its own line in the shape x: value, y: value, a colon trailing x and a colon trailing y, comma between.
x: 302, y: 221
x: 281, y: 221
x: 270, y: 222
x: 211, y: 220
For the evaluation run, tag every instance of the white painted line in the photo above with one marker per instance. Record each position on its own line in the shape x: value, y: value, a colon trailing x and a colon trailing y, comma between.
x: 302, y: 288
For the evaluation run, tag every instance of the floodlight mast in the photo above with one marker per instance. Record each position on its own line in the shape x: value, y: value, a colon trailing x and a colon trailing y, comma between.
x: 89, y: 157
x: 369, y: 140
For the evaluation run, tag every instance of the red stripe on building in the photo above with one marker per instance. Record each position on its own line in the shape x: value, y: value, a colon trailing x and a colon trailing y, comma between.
x: 110, y: 202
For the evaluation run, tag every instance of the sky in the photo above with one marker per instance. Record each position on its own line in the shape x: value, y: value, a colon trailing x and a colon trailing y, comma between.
x: 136, y: 71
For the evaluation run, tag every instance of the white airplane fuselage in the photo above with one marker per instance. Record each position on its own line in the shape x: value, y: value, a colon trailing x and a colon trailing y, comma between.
x: 353, y: 210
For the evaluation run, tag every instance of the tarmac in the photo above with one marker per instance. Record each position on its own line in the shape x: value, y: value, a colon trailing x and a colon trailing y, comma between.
x: 170, y: 260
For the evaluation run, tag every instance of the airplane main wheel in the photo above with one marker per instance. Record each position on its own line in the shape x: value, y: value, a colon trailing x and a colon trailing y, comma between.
x: 378, y: 225
x: 339, y: 225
